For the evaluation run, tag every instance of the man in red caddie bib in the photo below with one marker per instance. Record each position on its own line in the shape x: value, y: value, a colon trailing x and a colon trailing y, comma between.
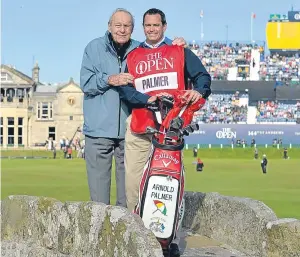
x: 158, y: 68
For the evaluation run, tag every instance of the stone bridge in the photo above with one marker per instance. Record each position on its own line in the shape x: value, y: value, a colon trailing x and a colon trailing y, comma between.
x: 214, y: 225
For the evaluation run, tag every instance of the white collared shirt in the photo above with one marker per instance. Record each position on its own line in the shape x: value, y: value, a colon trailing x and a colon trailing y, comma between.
x: 156, y: 45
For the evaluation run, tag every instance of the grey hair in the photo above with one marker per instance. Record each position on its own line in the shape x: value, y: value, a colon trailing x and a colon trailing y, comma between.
x: 121, y: 10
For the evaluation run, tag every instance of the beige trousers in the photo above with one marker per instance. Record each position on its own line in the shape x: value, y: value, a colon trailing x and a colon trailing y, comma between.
x: 137, y: 150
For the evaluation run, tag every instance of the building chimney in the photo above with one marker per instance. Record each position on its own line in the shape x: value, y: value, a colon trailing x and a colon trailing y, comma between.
x: 36, y: 73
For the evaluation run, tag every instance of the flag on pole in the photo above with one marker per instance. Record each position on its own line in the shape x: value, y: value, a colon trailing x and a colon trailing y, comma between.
x: 201, y: 14
x: 253, y: 16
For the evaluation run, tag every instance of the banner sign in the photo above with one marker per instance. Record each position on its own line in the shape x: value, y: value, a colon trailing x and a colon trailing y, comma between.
x: 226, y: 134
x: 275, y: 17
x: 294, y: 16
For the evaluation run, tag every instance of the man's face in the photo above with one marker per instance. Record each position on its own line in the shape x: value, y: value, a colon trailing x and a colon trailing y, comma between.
x: 153, y: 28
x: 121, y: 27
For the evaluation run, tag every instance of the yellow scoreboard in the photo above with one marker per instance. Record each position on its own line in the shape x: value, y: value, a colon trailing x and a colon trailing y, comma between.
x: 282, y: 35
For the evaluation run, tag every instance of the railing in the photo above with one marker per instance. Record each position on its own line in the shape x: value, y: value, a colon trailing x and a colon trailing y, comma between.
x: 15, y: 102
x: 228, y: 42
x: 233, y: 146
x: 7, y: 153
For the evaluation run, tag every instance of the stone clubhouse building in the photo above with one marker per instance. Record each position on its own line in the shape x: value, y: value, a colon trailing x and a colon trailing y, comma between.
x: 32, y: 112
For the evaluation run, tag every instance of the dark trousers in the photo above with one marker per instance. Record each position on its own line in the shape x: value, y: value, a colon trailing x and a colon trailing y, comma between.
x: 264, y: 168
x: 99, y: 153
x: 199, y: 166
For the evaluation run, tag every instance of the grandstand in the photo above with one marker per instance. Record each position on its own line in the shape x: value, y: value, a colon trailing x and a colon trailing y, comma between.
x: 250, y: 86
x: 255, y: 92
x: 240, y: 114
x: 250, y: 61
x: 247, y: 62
x: 239, y: 108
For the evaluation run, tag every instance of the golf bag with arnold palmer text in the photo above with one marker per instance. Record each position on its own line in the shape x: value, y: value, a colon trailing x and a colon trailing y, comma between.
x: 161, y: 202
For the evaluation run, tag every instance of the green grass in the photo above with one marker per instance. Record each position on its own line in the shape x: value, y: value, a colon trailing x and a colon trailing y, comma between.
x: 227, y: 171
x: 215, y: 152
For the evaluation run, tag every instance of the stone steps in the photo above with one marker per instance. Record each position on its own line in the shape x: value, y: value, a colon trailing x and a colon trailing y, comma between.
x: 193, y: 245
x: 208, y: 252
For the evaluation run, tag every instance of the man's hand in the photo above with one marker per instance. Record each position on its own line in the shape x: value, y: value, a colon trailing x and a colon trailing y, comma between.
x: 152, y: 99
x: 164, y: 94
x: 155, y: 97
x: 192, y: 96
x: 179, y: 41
x: 121, y: 79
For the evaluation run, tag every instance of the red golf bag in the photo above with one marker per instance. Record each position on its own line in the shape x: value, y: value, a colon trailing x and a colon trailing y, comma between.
x: 161, y: 203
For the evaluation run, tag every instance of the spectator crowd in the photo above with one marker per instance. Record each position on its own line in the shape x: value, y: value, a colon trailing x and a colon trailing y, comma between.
x: 233, y: 108
x: 224, y: 108
x: 274, y: 111
x: 218, y: 57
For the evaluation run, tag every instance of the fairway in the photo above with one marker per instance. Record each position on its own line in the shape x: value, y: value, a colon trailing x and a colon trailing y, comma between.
x: 66, y: 180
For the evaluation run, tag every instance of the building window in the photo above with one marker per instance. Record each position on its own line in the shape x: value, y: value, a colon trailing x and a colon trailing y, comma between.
x: 44, y: 111
x: 10, y: 131
x: 20, y: 134
x: 71, y: 117
x: 1, y: 130
x: 20, y: 121
x: 20, y: 131
x: 38, y: 111
x: 10, y: 121
x: 51, y: 110
x: 51, y: 133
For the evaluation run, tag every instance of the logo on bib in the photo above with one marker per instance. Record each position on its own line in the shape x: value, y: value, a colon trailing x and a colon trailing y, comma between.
x: 154, y: 62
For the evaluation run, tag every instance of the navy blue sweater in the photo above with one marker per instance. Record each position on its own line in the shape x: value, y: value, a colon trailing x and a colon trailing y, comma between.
x: 193, y: 70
